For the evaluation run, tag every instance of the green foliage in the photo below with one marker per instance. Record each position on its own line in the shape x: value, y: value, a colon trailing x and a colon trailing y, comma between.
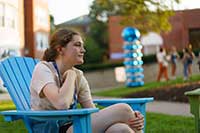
x: 160, y: 123
x: 196, y: 52
x: 149, y: 59
x: 93, y: 52
x: 52, y: 25
x: 98, y: 31
x: 1, y: 91
x: 99, y: 66
x: 146, y: 15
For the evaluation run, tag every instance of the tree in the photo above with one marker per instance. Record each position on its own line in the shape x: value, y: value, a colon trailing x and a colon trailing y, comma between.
x: 99, y: 33
x: 52, y: 25
x: 93, y: 52
x: 146, y: 15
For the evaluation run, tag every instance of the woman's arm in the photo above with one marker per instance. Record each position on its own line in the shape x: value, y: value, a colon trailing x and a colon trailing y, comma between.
x: 84, y: 93
x: 61, y: 98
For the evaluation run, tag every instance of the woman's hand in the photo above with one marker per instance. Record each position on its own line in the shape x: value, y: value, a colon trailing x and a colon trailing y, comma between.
x: 70, y: 73
x: 137, y: 122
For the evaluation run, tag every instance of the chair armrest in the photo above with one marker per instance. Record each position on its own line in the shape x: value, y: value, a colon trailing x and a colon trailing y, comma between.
x: 130, y: 101
x: 47, y: 115
x: 135, y: 103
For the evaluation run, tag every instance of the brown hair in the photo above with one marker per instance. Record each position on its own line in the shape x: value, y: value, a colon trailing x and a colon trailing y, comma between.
x: 59, y: 38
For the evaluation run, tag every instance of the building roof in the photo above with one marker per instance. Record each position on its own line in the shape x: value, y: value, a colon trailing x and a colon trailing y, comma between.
x: 82, y: 20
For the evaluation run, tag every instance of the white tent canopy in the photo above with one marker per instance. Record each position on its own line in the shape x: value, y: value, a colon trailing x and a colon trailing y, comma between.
x: 151, y: 38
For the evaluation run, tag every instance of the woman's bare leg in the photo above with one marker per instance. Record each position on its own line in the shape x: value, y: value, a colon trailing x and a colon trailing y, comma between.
x: 119, y: 128
x: 105, y: 118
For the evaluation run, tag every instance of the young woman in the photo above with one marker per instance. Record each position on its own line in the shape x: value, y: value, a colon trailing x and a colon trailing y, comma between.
x: 174, y: 57
x: 162, y: 64
x: 57, y: 85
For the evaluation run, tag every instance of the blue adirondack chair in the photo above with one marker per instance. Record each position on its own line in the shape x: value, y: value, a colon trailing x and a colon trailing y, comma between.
x: 16, y: 74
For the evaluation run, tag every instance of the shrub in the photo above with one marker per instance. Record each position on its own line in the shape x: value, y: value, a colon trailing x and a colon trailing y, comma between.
x: 93, y: 52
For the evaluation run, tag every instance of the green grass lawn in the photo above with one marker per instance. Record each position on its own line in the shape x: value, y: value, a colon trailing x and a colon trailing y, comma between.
x: 161, y: 123
x: 156, y: 123
x: 123, y: 91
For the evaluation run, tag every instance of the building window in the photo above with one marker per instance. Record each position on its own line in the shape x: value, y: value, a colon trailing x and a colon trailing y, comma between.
x: 41, y: 41
x: 1, y: 15
x: 42, y: 16
x: 10, y: 17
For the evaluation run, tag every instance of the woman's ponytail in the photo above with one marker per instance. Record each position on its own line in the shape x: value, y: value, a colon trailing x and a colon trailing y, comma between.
x: 49, y: 55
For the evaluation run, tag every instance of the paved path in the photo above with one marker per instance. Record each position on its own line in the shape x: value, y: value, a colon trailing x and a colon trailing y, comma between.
x: 171, y: 108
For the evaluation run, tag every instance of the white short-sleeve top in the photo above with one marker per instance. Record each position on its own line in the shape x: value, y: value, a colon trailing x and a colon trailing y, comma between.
x: 45, y: 73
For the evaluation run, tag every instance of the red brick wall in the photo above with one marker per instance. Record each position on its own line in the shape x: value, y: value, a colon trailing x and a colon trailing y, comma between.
x: 115, y: 39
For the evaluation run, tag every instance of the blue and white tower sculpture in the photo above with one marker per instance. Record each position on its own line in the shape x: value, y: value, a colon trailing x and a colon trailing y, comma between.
x: 133, y: 57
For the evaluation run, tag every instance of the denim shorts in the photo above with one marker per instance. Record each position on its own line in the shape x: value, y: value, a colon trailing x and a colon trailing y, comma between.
x: 50, y: 126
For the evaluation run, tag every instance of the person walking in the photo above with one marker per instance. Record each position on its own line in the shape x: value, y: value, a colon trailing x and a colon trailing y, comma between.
x: 190, y: 60
x: 198, y: 62
x: 187, y: 61
x: 174, y: 56
x: 162, y: 64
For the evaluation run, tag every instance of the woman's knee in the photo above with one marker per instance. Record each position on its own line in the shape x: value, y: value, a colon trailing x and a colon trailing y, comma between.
x: 125, y: 107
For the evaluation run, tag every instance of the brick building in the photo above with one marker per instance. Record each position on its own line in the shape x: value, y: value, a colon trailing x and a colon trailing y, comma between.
x: 185, y: 30
x: 37, y: 27
x: 24, y: 27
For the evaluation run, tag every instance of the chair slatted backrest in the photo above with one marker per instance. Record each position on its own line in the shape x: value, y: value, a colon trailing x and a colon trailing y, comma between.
x: 16, y: 73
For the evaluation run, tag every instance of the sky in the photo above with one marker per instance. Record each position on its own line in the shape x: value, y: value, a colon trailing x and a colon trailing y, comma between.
x: 64, y: 10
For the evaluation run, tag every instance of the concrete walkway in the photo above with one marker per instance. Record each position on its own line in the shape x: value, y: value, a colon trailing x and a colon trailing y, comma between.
x: 171, y: 108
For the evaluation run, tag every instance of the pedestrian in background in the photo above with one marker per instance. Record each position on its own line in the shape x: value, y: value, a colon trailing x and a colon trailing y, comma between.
x: 174, y: 56
x: 190, y: 59
x: 186, y: 63
x: 198, y: 62
x: 162, y: 64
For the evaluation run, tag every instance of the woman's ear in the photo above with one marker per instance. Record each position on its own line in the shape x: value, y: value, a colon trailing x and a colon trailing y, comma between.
x: 60, y: 50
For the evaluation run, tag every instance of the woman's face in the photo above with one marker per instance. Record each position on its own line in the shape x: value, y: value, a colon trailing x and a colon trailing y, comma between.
x: 74, y: 51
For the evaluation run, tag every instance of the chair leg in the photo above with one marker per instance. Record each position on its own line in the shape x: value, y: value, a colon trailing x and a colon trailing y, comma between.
x: 82, y: 124
x: 197, y: 124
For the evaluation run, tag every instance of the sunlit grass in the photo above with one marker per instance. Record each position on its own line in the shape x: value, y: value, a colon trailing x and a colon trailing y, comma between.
x: 161, y: 123
x: 6, y: 105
